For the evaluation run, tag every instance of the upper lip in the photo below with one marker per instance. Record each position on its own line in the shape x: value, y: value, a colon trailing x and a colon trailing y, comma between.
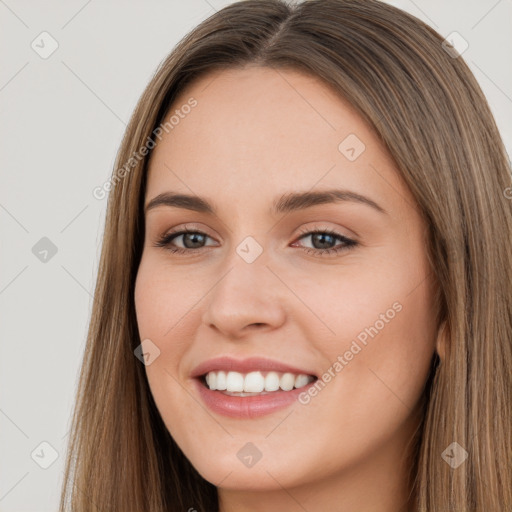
x: 247, y: 365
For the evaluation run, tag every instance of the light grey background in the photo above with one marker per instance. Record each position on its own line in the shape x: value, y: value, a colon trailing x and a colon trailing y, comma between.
x: 62, y: 122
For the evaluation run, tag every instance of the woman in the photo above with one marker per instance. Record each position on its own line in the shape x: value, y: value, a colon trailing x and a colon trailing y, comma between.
x: 304, y: 297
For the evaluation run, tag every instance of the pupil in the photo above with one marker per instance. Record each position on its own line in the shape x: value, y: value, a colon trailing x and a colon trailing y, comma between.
x: 321, y: 237
x: 193, y: 237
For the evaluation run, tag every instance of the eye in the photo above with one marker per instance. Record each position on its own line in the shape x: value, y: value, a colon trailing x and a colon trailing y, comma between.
x: 193, y: 240
x: 326, y: 237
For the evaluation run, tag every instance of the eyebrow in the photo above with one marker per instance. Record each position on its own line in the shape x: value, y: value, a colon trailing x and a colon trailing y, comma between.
x: 287, y: 203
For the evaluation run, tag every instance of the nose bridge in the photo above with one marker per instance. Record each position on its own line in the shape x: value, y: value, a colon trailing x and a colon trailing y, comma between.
x: 246, y: 293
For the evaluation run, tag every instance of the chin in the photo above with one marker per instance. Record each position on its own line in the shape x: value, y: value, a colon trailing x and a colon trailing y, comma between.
x: 235, y: 465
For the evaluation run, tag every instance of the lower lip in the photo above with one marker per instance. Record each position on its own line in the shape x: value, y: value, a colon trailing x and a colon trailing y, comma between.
x: 248, y: 406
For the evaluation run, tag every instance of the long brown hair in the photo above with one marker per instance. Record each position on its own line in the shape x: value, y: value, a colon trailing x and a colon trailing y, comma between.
x: 429, y: 111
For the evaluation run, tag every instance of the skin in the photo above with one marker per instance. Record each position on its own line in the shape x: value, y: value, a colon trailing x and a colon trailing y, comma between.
x: 256, y: 134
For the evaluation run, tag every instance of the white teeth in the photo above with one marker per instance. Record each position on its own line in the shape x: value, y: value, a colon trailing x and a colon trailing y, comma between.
x: 211, y: 380
x: 272, y: 381
x: 300, y: 380
x: 287, y: 381
x: 234, y: 381
x: 221, y: 384
x: 255, y: 382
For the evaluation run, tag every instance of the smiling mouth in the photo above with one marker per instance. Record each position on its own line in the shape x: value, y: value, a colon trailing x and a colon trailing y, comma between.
x: 255, y: 383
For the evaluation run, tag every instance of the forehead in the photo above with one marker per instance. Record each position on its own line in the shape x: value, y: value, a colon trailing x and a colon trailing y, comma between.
x: 257, y: 132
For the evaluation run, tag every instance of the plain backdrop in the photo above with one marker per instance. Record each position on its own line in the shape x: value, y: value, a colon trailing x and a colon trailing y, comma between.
x: 62, y: 119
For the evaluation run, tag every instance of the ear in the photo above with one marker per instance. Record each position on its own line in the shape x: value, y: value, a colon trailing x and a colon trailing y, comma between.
x: 442, y: 340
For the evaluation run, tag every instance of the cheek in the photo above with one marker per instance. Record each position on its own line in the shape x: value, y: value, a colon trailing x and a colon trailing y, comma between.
x: 165, y: 299
x: 374, y: 327
x: 158, y: 311
x: 378, y: 351
x: 166, y: 306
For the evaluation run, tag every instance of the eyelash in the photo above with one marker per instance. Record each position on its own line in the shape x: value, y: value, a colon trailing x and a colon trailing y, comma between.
x: 165, y: 242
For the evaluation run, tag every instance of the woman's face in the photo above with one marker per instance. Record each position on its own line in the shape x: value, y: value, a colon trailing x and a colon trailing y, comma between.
x: 262, y: 148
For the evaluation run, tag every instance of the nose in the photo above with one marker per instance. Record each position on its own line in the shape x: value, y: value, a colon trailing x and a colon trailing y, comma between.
x: 247, y: 297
